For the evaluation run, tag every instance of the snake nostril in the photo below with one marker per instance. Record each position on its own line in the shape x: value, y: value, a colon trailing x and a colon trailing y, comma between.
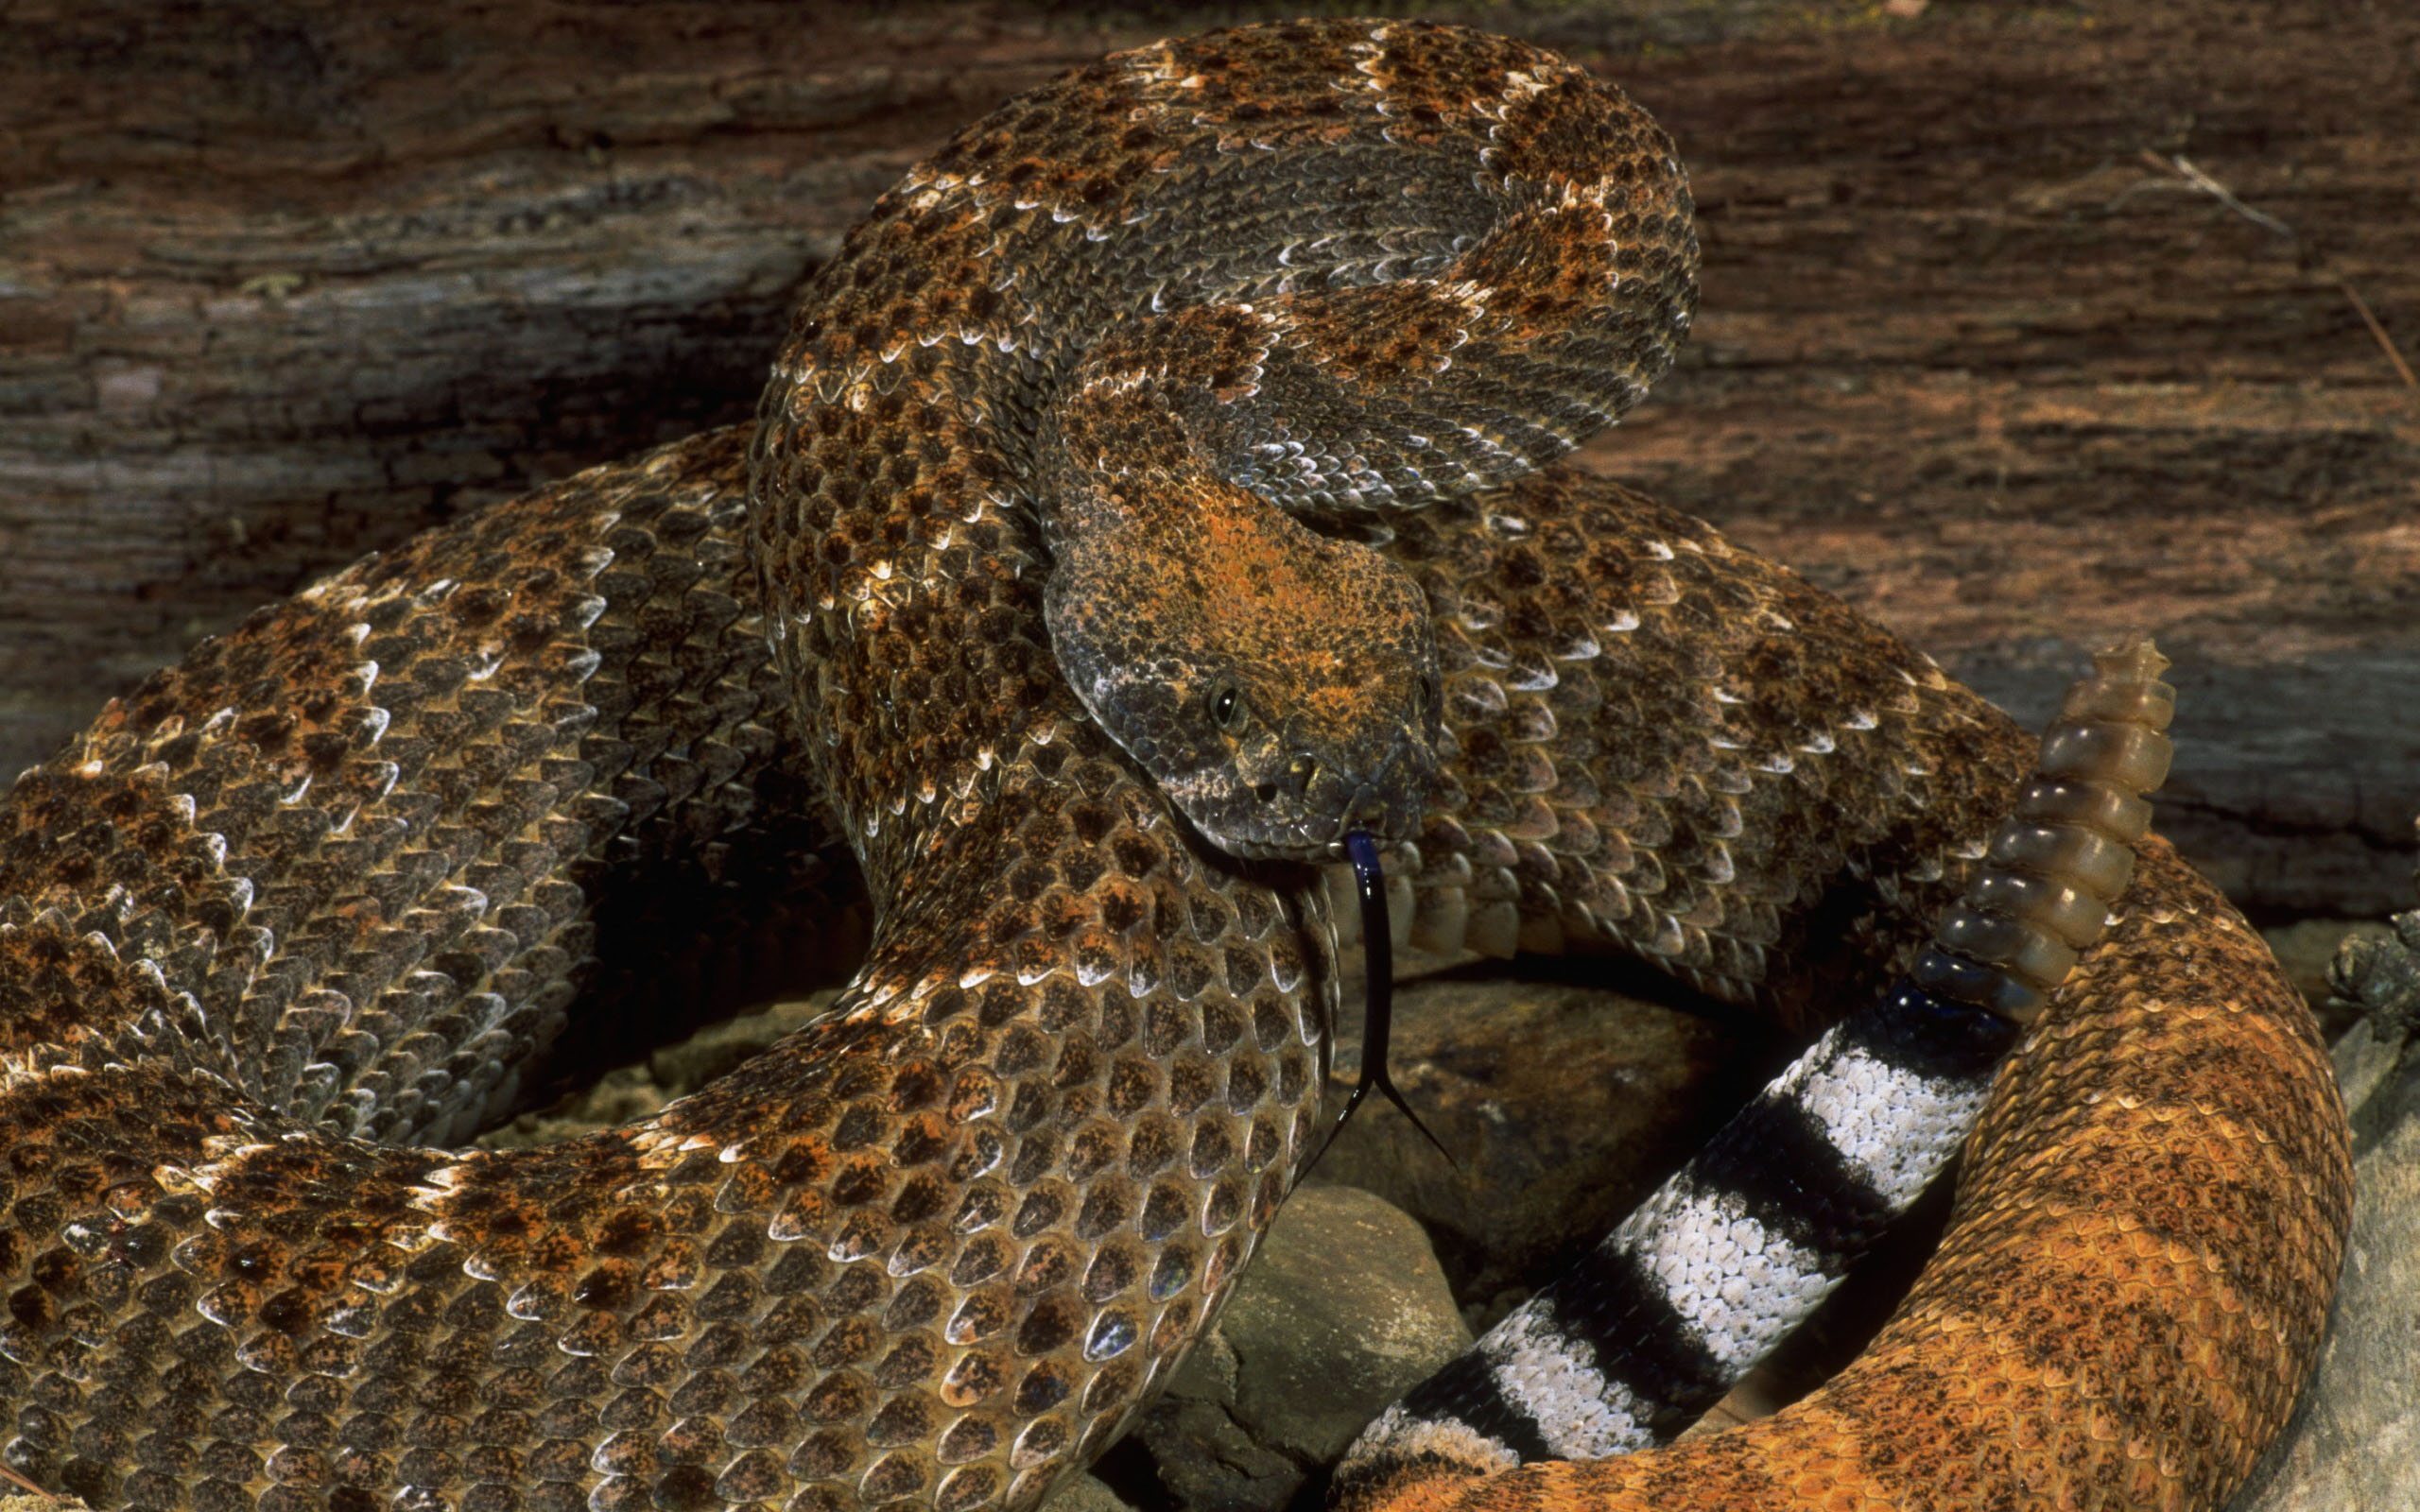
x: 1266, y: 792
x: 1301, y: 773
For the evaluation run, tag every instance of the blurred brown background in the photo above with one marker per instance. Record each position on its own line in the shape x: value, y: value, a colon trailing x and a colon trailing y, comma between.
x: 2022, y: 323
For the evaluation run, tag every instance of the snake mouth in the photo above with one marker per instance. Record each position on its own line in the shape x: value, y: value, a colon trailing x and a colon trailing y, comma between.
x: 1385, y: 806
x: 1371, y: 813
x: 1379, y: 807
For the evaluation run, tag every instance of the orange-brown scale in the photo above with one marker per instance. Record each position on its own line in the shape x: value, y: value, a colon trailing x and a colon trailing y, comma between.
x: 633, y: 1312
x: 1119, y: 393
x: 2153, y: 1210
x: 1080, y: 1053
x: 1325, y: 648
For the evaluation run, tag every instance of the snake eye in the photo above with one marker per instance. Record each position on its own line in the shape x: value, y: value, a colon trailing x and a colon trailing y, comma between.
x: 1227, y: 707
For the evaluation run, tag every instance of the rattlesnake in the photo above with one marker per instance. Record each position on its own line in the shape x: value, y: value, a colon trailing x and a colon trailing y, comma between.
x: 323, y: 890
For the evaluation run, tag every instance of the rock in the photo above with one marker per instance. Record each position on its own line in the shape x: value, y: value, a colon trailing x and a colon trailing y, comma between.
x: 2355, y: 1444
x: 1562, y: 1106
x: 1345, y: 1308
x: 638, y: 1090
x: 1087, y: 1494
x: 2305, y: 948
x: 719, y: 1048
x: 620, y: 1096
x: 1204, y: 1461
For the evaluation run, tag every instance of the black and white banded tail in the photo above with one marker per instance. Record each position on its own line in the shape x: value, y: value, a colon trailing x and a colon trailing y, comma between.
x: 1740, y: 1245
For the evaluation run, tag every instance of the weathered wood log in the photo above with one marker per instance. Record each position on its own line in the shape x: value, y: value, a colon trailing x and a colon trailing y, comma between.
x: 2020, y: 328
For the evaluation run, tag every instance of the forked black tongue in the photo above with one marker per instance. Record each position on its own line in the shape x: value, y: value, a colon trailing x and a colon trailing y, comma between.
x: 1378, y: 997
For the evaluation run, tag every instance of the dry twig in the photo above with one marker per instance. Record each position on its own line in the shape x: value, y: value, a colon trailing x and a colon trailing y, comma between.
x: 17, y: 1480
x: 2185, y: 169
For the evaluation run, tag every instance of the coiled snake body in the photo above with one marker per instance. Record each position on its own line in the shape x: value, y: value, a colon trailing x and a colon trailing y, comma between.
x: 323, y: 890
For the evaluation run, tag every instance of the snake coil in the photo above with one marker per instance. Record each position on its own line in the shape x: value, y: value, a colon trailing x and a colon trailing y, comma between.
x: 1742, y: 1244
x: 321, y: 897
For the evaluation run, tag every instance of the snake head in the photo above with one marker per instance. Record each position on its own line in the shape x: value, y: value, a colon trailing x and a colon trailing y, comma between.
x: 1278, y: 685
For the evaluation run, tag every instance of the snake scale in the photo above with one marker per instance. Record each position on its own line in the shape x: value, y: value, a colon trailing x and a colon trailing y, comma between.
x: 318, y: 899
